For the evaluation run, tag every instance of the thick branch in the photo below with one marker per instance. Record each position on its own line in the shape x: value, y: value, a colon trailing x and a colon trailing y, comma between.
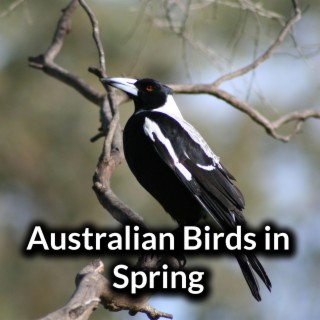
x: 93, y: 288
x: 104, y: 193
x: 63, y: 75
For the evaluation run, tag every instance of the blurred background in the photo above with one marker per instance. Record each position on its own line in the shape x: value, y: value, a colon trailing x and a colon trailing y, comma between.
x: 47, y: 160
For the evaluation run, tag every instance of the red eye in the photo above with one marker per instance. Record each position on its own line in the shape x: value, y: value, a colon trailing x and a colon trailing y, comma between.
x: 149, y: 88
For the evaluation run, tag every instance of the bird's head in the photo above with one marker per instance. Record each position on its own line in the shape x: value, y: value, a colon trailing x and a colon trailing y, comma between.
x: 146, y: 93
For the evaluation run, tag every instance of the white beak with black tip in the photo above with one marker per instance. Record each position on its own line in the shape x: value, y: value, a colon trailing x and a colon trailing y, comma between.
x: 124, y: 84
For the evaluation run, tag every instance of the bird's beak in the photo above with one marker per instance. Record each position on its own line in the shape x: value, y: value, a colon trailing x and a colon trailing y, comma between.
x: 124, y: 84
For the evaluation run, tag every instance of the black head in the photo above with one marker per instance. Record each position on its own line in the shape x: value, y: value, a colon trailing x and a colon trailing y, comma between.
x: 151, y: 93
x: 146, y: 93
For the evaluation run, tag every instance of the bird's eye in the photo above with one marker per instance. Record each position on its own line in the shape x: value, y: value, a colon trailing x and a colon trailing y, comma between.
x: 149, y: 88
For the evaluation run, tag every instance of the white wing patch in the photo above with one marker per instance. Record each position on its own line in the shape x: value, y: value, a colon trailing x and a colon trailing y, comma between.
x: 208, y: 168
x: 171, y: 109
x: 196, y: 137
x: 150, y: 127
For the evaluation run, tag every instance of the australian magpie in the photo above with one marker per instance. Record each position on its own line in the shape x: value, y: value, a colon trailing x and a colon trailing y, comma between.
x: 174, y: 163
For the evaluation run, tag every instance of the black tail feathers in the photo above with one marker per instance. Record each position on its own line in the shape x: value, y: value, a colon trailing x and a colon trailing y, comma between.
x: 248, y: 264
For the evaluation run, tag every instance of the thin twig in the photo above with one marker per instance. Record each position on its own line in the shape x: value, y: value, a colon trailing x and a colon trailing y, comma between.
x: 256, y: 8
x: 109, y: 126
x: 45, y: 61
x: 296, y: 116
x: 282, y: 35
x: 11, y: 8
x: 62, y: 29
x: 96, y: 36
x: 111, y: 131
x: 97, y: 136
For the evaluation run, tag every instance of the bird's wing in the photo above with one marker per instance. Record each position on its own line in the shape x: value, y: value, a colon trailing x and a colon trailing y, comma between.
x: 182, y: 148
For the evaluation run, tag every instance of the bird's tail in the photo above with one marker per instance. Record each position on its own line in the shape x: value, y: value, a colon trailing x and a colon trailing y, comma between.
x: 250, y: 265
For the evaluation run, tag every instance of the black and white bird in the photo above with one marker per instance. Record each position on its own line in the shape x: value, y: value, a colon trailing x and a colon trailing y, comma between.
x: 173, y: 162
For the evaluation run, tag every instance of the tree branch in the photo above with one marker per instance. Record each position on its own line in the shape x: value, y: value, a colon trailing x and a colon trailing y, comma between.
x: 271, y: 127
x: 106, y: 165
x: 92, y: 288
x: 45, y: 61
x: 96, y: 37
x: 266, y: 55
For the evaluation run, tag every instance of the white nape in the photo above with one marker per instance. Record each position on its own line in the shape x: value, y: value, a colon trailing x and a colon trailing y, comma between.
x: 170, y: 108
